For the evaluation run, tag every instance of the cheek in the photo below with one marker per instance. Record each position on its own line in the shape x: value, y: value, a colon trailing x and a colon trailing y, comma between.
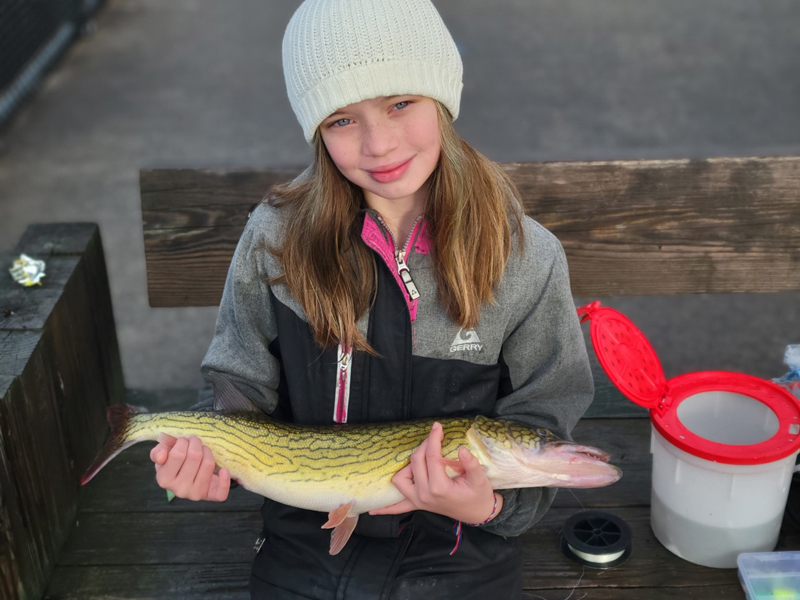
x: 424, y: 135
x: 428, y: 142
x: 342, y: 156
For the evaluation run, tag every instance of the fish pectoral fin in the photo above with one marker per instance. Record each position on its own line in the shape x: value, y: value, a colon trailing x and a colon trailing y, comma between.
x: 453, y: 467
x: 338, y: 515
x: 341, y: 534
x: 165, y: 438
x: 343, y: 524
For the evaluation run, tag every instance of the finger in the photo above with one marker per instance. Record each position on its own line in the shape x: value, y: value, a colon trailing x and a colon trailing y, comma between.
x: 220, y: 486
x: 194, y: 456
x: 438, y: 480
x: 169, y: 470
x: 202, y: 481
x: 159, y: 454
x: 404, y: 482
x: 473, y: 469
x: 405, y: 505
x: 419, y: 466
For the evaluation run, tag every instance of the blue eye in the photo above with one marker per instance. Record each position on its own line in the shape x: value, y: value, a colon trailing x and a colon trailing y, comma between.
x: 404, y: 103
x: 339, y: 123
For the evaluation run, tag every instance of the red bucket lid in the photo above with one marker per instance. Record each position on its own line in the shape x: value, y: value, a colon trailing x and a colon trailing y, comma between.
x: 625, y: 355
x: 633, y: 366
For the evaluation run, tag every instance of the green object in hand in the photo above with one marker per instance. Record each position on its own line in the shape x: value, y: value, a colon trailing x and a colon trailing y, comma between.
x: 170, y: 496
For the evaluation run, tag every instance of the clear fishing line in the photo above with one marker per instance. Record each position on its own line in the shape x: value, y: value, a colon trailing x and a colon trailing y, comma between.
x: 600, y: 559
x: 596, y: 539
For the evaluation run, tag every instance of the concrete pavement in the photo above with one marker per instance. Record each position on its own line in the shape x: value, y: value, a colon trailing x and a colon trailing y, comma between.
x: 198, y: 83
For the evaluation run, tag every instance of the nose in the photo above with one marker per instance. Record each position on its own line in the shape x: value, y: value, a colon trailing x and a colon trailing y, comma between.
x: 378, y: 138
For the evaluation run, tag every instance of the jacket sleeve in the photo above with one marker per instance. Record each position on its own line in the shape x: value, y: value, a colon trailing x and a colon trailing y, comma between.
x: 546, y: 379
x: 246, y: 322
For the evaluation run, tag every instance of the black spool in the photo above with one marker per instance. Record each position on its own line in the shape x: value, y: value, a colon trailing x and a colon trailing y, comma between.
x: 596, y: 539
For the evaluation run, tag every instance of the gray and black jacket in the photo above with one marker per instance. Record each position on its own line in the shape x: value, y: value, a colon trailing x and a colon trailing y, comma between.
x: 526, y: 360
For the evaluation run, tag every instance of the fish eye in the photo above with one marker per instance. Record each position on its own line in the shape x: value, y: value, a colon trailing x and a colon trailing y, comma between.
x: 543, y: 432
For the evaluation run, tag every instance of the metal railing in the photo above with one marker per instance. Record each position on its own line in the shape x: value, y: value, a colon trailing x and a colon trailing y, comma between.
x: 33, y: 34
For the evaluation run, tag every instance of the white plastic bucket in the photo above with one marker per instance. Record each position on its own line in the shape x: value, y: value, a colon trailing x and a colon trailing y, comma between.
x: 708, y: 512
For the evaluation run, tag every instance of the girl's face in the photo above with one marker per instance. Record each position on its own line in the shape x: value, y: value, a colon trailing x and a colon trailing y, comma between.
x: 387, y: 146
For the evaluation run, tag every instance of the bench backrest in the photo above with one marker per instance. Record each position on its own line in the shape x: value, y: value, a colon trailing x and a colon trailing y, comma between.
x: 628, y: 227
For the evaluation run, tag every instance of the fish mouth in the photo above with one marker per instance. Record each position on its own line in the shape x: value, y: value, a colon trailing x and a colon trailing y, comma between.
x: 554, y: 463
x: 578, y: 450
x: 575, y: 465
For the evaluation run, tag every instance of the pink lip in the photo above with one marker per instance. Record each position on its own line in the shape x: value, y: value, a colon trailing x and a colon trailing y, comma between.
x: 391, y: 172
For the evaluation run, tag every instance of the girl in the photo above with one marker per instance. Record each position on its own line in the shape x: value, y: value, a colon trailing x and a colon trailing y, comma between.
x: 396, y: 278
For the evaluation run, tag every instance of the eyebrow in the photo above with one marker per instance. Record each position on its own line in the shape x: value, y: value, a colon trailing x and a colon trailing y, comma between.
x: 339, y: 112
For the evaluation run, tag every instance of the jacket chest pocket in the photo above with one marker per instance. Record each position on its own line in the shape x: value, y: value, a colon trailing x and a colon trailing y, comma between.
x: 444, y: 388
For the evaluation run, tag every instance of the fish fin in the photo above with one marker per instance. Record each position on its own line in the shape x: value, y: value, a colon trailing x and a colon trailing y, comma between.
x: 453, y: 468
x: 338, y: 515
x: 227, y: 397
x: 167, y: 439
x: 341, y: 533
x: 119, y: 417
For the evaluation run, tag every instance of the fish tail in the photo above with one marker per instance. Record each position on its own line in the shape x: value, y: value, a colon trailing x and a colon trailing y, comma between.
x: 119, y: 418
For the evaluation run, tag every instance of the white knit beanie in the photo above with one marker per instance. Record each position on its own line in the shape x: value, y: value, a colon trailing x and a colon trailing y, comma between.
x: 339, y: 52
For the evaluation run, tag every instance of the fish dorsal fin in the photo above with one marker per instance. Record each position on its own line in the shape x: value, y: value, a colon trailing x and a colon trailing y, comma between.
x: 343, y: 524
x: 227, y: 397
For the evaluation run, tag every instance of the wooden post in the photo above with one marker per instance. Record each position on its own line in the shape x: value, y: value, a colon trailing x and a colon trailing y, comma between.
x: 59, y: 370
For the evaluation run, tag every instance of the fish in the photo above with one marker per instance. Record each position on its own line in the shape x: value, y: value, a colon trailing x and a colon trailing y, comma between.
x: 346, y: 469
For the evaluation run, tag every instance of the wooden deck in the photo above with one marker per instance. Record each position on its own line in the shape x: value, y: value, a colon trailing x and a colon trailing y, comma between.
x: 129, y: 542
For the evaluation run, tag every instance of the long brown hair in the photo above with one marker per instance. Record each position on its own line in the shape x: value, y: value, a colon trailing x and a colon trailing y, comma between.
x: 471, y: 210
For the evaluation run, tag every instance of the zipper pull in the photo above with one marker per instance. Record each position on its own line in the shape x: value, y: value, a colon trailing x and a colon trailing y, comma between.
x: 405, y: 275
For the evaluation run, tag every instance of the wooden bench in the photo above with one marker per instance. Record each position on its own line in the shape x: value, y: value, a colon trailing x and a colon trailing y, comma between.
x: 628, y: 227
x: 59, y: 370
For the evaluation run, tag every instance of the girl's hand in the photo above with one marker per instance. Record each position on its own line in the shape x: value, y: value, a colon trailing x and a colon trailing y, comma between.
x: 185, y: 467
x: 425, y: 484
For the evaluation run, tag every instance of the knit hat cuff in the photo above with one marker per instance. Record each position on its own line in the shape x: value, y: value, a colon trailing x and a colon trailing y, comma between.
x: 390, y: 78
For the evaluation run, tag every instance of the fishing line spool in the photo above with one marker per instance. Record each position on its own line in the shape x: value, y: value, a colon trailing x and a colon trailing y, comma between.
x: 596, y: 539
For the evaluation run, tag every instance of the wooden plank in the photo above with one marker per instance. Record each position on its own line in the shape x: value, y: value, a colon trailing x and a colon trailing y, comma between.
x: 155, y: 547
x: 16, y: 348
x: 100, y: 309
x: 179, y: 198
x: 162, y: 538
x: 29, y: 307
x: 59, y: 365
x: 41, y: 482
x: 43, y: 240
x: 11, y: 579
x: 230, y: 582
x: 171, y: 254
x: 699, y: 592
x: 721, y: 225
x: 119, y: 539
x: 212, y: 580
x: 610, y: 403
x: 128, y: 483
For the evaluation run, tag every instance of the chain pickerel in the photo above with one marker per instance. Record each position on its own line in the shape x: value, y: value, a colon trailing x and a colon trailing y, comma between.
x: 346, y: 470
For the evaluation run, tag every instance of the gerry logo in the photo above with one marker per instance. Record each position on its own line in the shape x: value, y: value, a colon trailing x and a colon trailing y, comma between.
x: 466, y: 341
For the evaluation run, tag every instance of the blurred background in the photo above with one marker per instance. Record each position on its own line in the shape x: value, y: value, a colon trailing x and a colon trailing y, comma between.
x: 93, y: 91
